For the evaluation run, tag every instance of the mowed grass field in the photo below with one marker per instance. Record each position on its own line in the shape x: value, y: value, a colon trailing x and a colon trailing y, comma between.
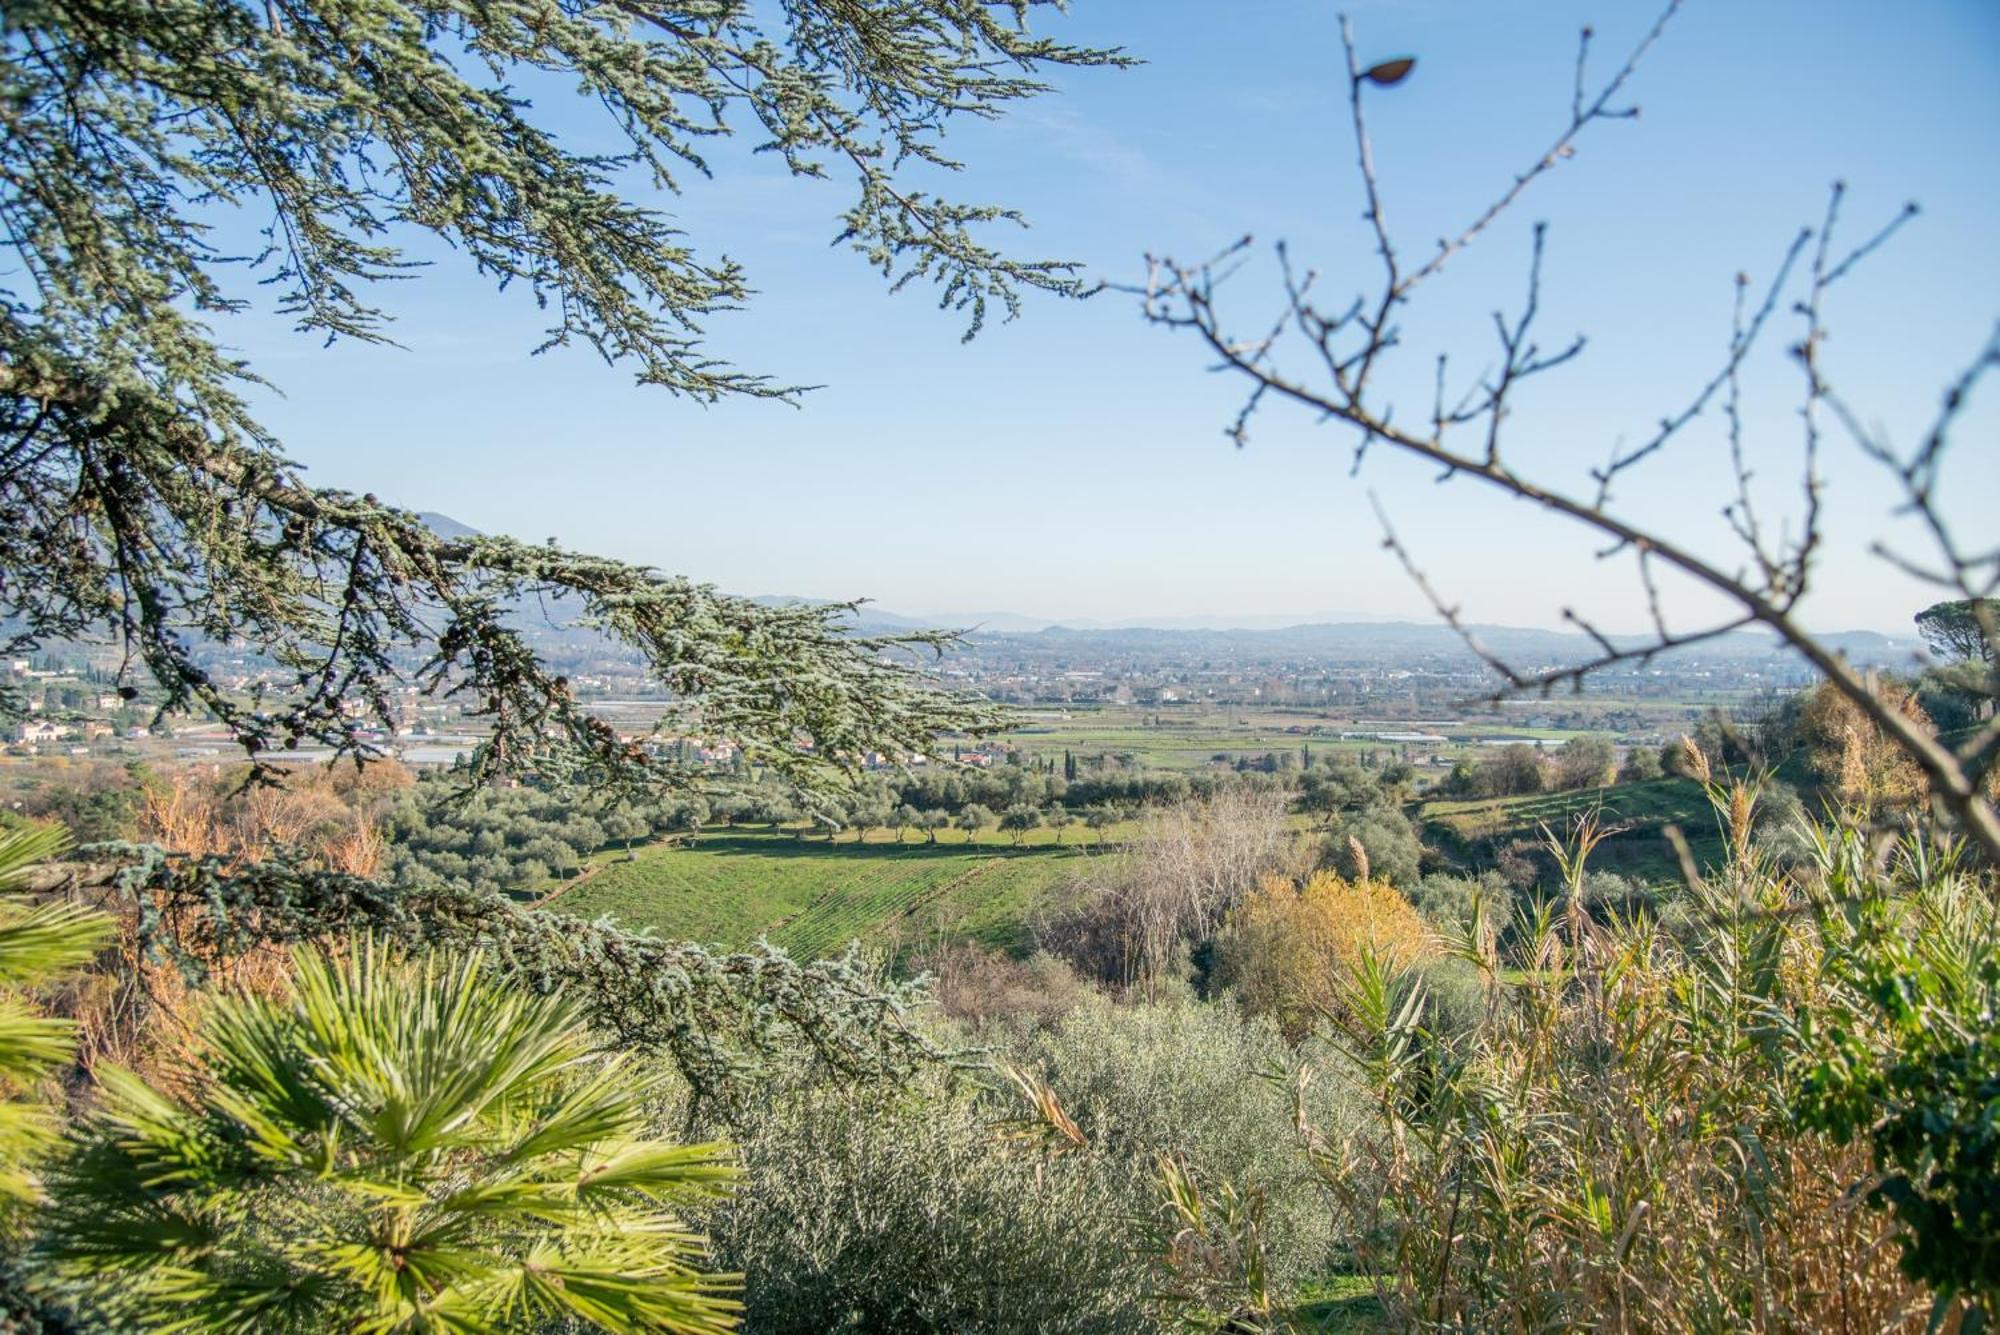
x: 1644, y: 810
x: 810, y: 897
x: 1191, y: 736
x: 1177, y: 748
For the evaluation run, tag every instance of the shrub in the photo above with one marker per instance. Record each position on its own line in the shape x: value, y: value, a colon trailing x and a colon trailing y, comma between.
x: 1448, y: 902
x: 1452, y: 998
x: 981, y: 987
x: 96, y: 804
x: 1902, y: 1055
x: 1186, y: 1080
x: 1642, y: 765
x: 1288, y: 948
x: 1857, y: 760
x: 880, y: 1207
x: 1378, y: 841
x: 397, y: 1144
x: 1607, y: 894
x: 1617, y: 1143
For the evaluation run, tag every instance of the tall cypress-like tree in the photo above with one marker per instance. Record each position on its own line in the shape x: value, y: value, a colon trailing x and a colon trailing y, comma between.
x: 140, y: 498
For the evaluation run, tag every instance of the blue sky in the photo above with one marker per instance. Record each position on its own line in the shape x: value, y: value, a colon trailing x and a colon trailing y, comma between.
x: 1072, y: 463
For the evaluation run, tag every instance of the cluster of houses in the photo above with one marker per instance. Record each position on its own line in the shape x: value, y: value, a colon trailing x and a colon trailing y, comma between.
x: 46, y: 731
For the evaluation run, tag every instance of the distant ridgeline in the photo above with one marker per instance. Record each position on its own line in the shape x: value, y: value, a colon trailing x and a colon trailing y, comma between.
x: 551, y: 627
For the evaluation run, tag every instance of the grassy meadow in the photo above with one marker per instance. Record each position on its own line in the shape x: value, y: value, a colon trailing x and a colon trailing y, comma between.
x: 1640, y: 812
x: 811, y: 897
x: 1193, y: 736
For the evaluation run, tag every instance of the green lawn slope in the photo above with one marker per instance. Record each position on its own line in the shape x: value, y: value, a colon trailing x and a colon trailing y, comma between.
x: 809, y: 896
x: 1474, y: 831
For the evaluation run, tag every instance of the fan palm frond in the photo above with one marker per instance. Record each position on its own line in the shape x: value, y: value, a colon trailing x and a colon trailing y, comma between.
x: 398, y: 1144
x: 38, y: 943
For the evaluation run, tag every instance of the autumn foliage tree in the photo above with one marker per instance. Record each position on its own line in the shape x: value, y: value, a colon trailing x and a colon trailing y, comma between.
x: 1289, y: 948
x: 1859, y: 764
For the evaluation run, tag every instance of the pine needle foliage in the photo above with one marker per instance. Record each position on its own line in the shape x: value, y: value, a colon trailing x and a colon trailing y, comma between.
x: 724, y: 1019
x: 140, y: 496
x: 399, y: 1144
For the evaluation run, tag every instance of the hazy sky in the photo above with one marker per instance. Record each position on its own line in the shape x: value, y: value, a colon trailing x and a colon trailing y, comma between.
x: 1072, y: 463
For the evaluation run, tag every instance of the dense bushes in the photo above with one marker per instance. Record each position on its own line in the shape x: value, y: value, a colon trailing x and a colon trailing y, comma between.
x: 980, y: 987
x: 1375, y: 840
x: 954, y: 1206
x: 1451, y: 903
x: 883, y: 1208
x: 1586, y: 1103
x: 1855, y: 759
x: 1288, y: 949
x: 1189, y: 1080
x: 1901, y: 1053
x: 1617, y: 1140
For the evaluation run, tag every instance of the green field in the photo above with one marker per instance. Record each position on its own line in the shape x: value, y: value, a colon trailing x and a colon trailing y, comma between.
x: 1640, y: 812
x: 811, y: 897
x: 1191, y: 736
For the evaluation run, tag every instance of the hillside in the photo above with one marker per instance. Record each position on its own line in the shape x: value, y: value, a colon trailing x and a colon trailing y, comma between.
x: 809, y: 897
x: 1479, y: 830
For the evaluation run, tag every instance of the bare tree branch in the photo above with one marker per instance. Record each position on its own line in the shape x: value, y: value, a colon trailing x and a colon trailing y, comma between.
x: 1349, y: 345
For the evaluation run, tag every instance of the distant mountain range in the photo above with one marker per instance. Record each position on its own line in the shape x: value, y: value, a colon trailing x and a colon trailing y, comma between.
x: 447, y: 527
x: 1332, y: 634
x: 1014, y: 623
x: 1523, y: 645
x: 1344, y: 638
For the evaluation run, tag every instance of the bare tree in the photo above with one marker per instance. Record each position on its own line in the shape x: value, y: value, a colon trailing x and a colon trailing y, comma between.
x: 1186, y: 868
x: 1327, y: 356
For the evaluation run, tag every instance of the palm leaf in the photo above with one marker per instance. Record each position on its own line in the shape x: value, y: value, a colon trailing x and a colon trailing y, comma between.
x: 399, y: 1144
